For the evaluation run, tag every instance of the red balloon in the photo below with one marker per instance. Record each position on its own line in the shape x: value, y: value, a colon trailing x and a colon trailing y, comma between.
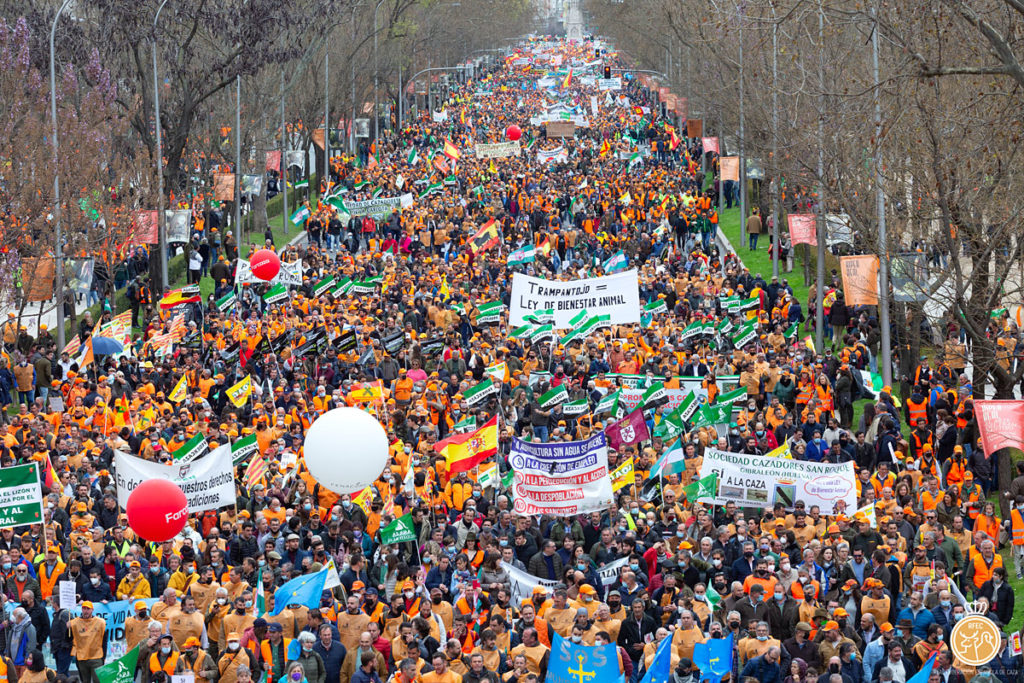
x: 157, y: 510
x: 265, y: 264
x: 513, y: 132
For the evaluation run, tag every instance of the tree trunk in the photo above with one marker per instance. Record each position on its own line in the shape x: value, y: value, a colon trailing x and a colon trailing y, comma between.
x: 258, y: 223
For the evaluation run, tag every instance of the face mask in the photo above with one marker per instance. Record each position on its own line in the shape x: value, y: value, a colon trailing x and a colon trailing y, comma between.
x: 581, y: 567
x: 307, y: 507
x: 347, y: 504
x: 957, y: 617
x: 154, y: 569
x: 248, y: 604
x: 680, y: 534
x: 94, y: 581
x: 833, y: 668
x: 716, y: 562
x: 307, y: 648
x: 945, y: 603
x: 166, y: 649
x: 232, y: 646
x: 436, y: 600
x: 786, y: 566
x: 760, y: 598
x: 899, y: 633
x: 622, y: 529
x: 734, y: 624
x: 634, y: 567
x: 842, y: 623
x: 781, y: 597
x: 577, y: 639
x: 408, y: 595
x: 262, y: 563
x: 189, y: 570
x: 222, y: 601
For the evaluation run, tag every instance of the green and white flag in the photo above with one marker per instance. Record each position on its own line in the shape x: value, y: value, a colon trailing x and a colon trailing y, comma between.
x: 302, y: 184
x: 552, y: 398
x: 413, y: 158
x: 702, y: 488
x: 752, y: 302
x: 361, y: 184
x: 477, y: 393
x: 228, y: 302
x: 450, y: 180
x: 466, y: 424
x: 525, y: 254
x: 608, y: 403
x: 577, y: 407
x: 488, y: 477
x: 399, y: 531
x: 692, y: 330
x: 747, y: 334
x: 243, y: 448
x: 791, y: 331
x: 521, y: 332
x: 656, y: 306
x: 193, y: 449
x: 324, y: 284
x: 300, y: 215
x: 578, y: 319
x: 655, y: 396
x: 688, y: 407
x: 540, y: 317
x: 368, y: 285
x: 489, y: 313
x: 713, y: 414
x: 541, y: 333
x: 431, y: 189
x: 731, y: 397
x: 276, y: 293
x: 669, y: 428
x: 725, y: 326
x: 616, y: 262
x: 21, y: 496
x: 344, y: 287
x: 261, y: 595
x: 120, y: 670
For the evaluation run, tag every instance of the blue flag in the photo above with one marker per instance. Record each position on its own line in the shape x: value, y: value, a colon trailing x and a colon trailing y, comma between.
x: 925, y: 672
x: 661, y: 665
x: 571, y: 663
x: 713, y: 658
x: 304, y: 590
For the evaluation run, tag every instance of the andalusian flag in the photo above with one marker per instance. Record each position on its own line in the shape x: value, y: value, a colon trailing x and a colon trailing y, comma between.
x: 300, y: 215
x: 672, y: 461
x: 525, y: 254
x: 180, y: 391
x: 413, y: 158
x: 617, y: 262
x: 240, y: 393
x: 791, y: 331
x: 702, y: 488
x: 465, y: 451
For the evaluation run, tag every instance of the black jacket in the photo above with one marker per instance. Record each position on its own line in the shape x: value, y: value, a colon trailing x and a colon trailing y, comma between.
x: 633, y: 633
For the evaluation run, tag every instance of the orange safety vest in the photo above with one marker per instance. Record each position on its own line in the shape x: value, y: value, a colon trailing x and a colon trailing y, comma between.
x: 982, y: 570
x: 268, y: 655
x: 1016, y: 527
x: 917, y: 411
x: 169, y: 666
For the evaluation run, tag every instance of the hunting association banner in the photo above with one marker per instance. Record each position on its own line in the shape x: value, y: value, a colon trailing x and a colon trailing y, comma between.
x: 617, y: 296
x: 761, y: 481
x: 565, y: 478
x: 497, y: 150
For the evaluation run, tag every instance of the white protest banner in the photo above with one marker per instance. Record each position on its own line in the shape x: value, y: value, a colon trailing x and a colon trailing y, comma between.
x: 290, y: 274
x: 630, y: 398
x: 609, y: 83
x: 67, y: 594
x: 593, y: 104
x: 208, y: 483
x: 381, y: 206
x: 760, y: 481
x: 609, y: 573
x: 497, y: 150
x: 114, y: 614
x: 522, y: 584
x: 617, y: 296
x: 564, y: 478
x: 21, y: 497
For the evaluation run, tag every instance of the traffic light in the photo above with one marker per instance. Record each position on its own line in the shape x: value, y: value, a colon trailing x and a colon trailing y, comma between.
x: 607, y: 72
x: 597, y: 53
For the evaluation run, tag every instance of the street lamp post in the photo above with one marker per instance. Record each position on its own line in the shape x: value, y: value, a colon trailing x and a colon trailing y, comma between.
x: 160, y: 222
x: 376, y: 114
x: 58, y: 249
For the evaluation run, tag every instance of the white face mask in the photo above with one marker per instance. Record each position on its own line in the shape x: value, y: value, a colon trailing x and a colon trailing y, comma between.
x: 232, y: 646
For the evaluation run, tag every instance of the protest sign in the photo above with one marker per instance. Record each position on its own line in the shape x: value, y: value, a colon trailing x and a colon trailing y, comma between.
x: 760, y: 481
x: 802, y: 229
x: 21, y: 497
x: 208, y: 483
x: 381, y: 206
x: 564, y: 478
x: 290, y: 274
x: 497, y: 150
x: 860, y: 279
x: 1001, y: 424
x: 617, y: 296
x: 114, y: 614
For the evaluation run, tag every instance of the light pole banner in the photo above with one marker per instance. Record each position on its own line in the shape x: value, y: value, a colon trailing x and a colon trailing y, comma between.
x: 617, y: 296
x: 760, y: 481
x: 208, y: 483
x: 860, y: 279
x: 21, y: 497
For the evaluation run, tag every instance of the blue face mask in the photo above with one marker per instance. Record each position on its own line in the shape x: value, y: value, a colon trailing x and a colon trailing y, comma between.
x: 581, y: 567
x: 634, y: 567
x: 307, y: 507
x: 945, y: 603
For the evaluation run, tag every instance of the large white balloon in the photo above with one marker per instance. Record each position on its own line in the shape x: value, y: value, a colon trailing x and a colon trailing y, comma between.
x: 346, y: 449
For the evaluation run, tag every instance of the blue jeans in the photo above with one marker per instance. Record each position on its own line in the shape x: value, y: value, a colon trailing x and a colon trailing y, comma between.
x: 541, y: 432
x: 63, y: 659
x: 752, y: 240
x: 27, y: 397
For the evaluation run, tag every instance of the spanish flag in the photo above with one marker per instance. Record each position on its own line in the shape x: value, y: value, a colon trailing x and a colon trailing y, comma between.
x: 465, y: 451
x: 485, y: 238
x: 177, y: 297
x: 451, y: 151
x: 568, y: 79
x: 674, y: 140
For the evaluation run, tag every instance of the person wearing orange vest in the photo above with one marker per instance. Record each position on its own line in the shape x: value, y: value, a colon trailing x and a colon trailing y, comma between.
x: 1017, y: 540
x: 981, y: 566
x: 48, y: 570
x: 920, y: 437
x: 274, y: 651
x: 165, y: 659
x: 916, y: 407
